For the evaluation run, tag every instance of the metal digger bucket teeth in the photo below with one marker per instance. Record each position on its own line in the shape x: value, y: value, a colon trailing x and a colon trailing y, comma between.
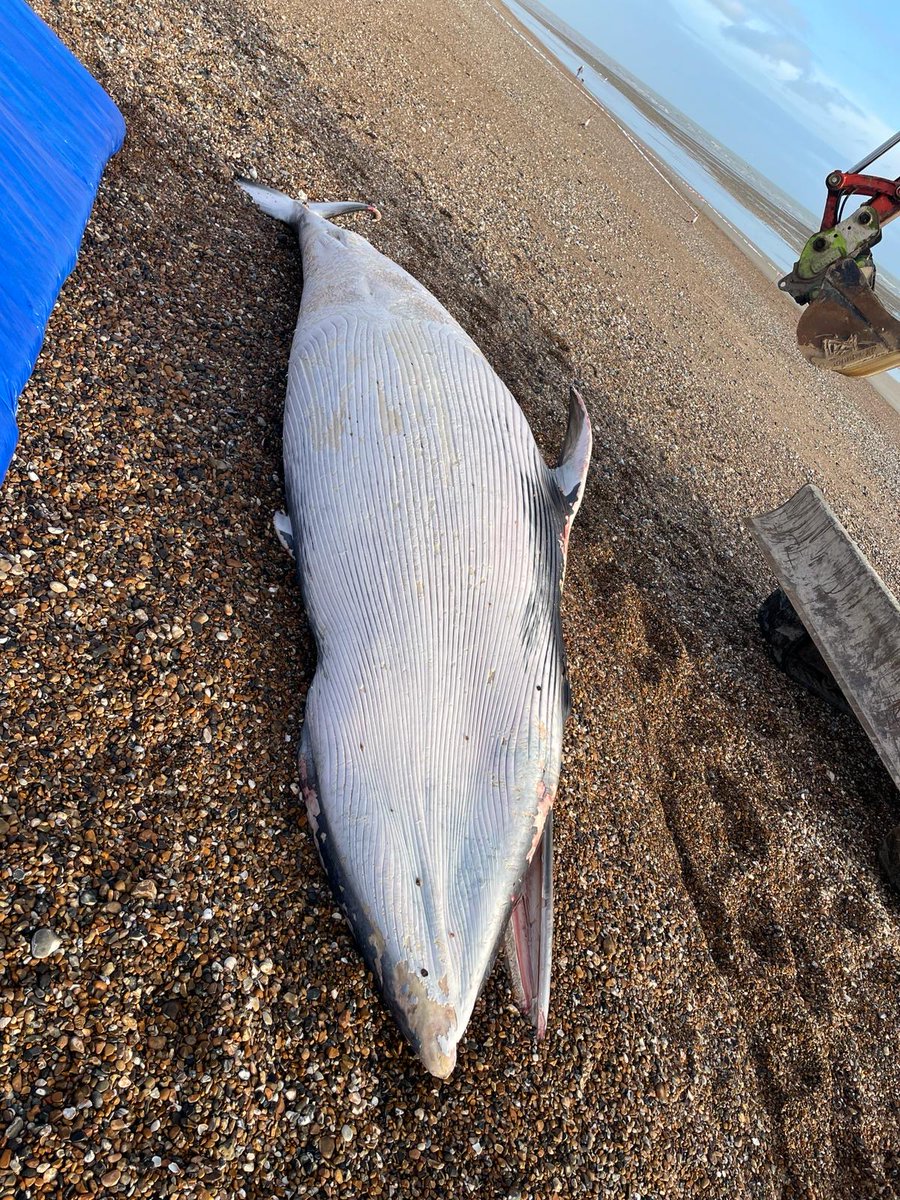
x: 847, y: 328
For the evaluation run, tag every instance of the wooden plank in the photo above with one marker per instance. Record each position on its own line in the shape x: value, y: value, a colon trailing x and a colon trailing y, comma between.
x: 846, y: 608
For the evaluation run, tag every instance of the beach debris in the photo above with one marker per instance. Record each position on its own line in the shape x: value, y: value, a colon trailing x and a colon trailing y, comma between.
x: 794, y: 652
x: 851, y: 620
x: 889, y: 856
x: 59, y: 128
x: 431, y: 544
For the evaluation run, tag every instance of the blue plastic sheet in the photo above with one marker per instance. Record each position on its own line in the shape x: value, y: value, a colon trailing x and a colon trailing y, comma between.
x: 58, y: 128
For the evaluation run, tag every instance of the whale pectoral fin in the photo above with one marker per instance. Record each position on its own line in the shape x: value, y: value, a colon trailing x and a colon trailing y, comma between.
x: 284, y: 532
x: 529, y: 934
x: 571, y: 472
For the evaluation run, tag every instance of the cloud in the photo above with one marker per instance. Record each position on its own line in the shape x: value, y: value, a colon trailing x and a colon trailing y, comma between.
x: 784, y: 13
x: 823, y: 95
x: 770, y: 45
x: 763, y: 40
x: 734, y: 10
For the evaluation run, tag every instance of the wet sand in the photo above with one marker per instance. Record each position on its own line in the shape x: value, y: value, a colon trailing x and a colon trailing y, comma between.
x: 772, y: 206
x: 724, y: 1018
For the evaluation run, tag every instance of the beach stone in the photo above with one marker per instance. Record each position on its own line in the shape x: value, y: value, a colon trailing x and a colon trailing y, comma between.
x: 144, y: 890
x: 326, y: 1146
x: 44, y: 942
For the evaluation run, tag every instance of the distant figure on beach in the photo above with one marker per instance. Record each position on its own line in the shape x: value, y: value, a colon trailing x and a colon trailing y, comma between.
x: 584, y: 124
x: 579, y: 74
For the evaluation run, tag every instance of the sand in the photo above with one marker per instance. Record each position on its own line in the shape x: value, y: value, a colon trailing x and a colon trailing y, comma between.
x: 724, y: 1018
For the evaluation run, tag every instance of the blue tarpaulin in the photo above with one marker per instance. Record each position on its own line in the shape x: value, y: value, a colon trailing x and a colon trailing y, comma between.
x: 58, y: 128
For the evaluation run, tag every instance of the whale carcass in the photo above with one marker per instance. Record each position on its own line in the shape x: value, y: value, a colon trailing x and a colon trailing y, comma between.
x: 430, y: 540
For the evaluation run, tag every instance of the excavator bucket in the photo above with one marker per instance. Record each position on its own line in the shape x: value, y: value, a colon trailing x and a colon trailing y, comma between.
x: 847, y: 328
x: 850, y: 615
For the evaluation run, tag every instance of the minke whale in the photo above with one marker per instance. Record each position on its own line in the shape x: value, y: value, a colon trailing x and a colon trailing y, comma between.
x: 430, y: 539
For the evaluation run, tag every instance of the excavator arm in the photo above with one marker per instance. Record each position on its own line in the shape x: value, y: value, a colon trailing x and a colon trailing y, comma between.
x: 845, y: 327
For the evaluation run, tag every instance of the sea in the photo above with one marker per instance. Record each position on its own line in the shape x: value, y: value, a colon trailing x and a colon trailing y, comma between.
x: 764, y: 221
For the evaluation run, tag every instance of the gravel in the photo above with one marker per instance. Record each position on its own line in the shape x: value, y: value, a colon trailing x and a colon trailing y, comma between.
x: 724, y: 1018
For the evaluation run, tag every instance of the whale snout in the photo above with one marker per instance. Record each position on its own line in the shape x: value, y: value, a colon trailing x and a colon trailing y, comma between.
x: 435, y: 1050
x: 430, y: 1020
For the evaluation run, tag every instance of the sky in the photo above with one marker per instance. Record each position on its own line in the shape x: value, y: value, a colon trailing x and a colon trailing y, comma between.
x: 795, y: 87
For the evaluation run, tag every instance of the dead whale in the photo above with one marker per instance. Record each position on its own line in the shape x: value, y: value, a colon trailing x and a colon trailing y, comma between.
x: 430, y: 540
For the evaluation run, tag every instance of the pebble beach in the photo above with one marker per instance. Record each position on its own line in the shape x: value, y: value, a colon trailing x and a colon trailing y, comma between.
x: 183, y: 1012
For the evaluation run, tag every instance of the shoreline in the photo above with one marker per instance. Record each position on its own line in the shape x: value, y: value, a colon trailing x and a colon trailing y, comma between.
x: 679, y: 186
x: 888, y: 390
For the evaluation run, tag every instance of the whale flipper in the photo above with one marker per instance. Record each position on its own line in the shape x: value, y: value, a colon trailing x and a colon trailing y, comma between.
x: 529, y: 935
x: 571, y: 471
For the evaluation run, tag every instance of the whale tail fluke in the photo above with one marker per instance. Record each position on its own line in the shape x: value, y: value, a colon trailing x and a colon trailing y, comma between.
x: 275, y: 204
x: 285, y: 208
